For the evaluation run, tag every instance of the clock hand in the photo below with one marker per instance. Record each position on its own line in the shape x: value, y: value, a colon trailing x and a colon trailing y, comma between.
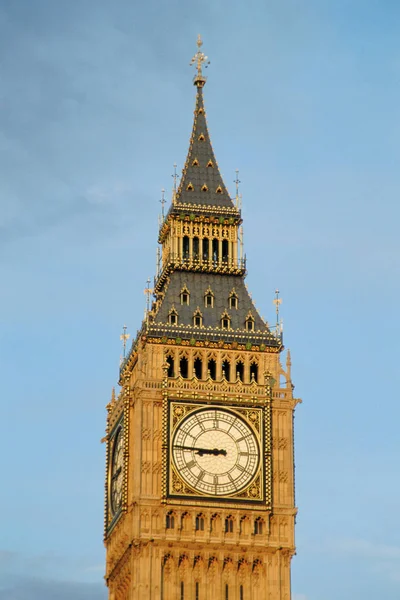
x: 202, y: 451
x: 117, y: 472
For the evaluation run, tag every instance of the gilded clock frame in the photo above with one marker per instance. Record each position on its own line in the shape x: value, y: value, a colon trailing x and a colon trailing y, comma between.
x: 256, y: 416
x: 120, y: 426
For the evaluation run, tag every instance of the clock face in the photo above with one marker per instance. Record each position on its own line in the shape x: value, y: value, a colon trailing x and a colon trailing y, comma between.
x: 215, y: 452
x: 117, y: 464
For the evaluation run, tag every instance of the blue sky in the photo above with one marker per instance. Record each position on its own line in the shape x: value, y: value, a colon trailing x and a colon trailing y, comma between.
x: 96, y: 105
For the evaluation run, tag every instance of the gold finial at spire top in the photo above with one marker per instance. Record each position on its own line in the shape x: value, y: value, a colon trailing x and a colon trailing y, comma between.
x: 199, y: 59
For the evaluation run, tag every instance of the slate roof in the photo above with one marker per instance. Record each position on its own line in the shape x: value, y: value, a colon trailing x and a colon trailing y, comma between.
x: 200, y: 175
x: 197, y: 285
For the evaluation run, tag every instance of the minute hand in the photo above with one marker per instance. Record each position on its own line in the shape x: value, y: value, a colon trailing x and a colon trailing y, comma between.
x: 202, y: 451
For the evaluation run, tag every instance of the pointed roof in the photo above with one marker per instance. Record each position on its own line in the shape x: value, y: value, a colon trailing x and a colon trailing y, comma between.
x: 201, y: 182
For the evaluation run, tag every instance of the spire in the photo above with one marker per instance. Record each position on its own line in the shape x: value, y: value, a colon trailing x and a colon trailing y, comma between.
x: 201, y: 182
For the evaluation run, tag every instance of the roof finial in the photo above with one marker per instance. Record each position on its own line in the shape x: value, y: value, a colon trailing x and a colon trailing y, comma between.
x: 236, y: 182
x: 175, y: 177
x: 162, y: 202
x: 277, y: 301
x: 198, y: 59
x: 124, y: 337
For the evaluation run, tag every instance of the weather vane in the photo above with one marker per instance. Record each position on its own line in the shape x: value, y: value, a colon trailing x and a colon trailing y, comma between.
x: 199, y: 59
x: 124, y: 337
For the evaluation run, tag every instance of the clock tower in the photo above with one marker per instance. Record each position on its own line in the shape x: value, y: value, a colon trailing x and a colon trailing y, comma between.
x: 199, y: 492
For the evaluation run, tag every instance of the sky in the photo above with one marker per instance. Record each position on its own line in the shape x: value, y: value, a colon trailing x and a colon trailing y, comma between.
x: 96, y: 105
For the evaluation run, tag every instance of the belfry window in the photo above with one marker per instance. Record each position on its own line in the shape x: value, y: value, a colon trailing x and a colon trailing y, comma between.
x: 212, y: 368
x: 254, y: 372
x: 184, y: 367
x: 226, y: 370
x: 170, y: 363
x: 198, y: 368
x: 239, y: 370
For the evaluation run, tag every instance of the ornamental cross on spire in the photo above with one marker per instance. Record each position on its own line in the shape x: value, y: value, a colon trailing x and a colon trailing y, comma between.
x: 198, y: 59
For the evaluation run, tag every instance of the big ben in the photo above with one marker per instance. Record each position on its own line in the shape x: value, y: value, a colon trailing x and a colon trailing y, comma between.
x: 199, y: 491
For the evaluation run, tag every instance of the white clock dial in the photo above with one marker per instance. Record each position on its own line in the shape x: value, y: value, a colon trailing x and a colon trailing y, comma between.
x: 117, y: 465
x: 215, y: 452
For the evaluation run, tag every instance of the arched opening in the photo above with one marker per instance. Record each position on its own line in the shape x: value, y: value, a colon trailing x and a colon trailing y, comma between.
x: 249, y: 324
x: 170, y: 521
x: 225, y: 250
x: 233, y: 301
x: 199, y: 523
x: 254, y: 372
x: 198, y: 367
x: 258, y: 526
x: 197, y: 590
x: 229, y: 525
x: 205, y: 249
x: 225, y: 322
x: 215, y: 250
x: 184, y: 367
x: 226, y: 369
x: 212, y: 368
x: 196, y: 247
x: 226, y: 591
x: 171, y: 367
x: 241, y: 594
x: 182, y: 591
x: 185, y: 246
x: 239, y: 370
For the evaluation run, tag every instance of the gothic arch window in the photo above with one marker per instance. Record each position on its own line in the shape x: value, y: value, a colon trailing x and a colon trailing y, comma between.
x: 210, y: 164
x: 197, y: 591
x: 215, y: 250
x: 241, y: 593
x: 196, y: 247
x: 226, y: 591
x: 198, y: 367
x: 185, y: 296
x: 205, y: 249
x: 229, y: 524
x: 226, y: 369
x: 184, y: 367
x: 225, y: 250
x: 204, y: 188
x: 233, y: 299
x: 170, y: 520
x: 239, y: 370
x: 173, y: 317
x: 195, y: 163
x: 215, y: 524
x: 258, y: 526
x: 219, y: 190
x: 209, y: 299
x: 212, y: 368
x: 197, y: 318
x: 190, y: 187
x: 254, y: 371
x: 185, y: 246
x: 182, y: 590
x: 200, y: 522
x: 185, y: 522
x: 171, y: 365
x: 225, y: 321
